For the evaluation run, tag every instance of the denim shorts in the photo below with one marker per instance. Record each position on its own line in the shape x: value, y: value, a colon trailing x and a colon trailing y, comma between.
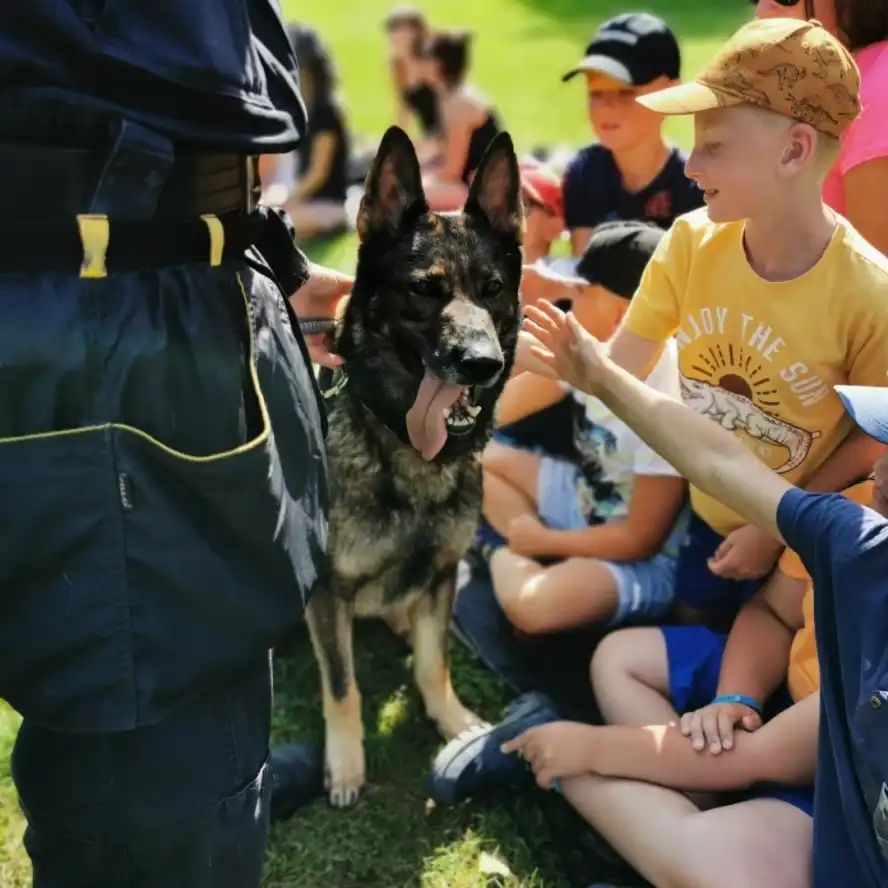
x: 645, y: 589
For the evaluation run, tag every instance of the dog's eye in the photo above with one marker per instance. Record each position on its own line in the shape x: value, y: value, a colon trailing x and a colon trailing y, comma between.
x: 493, y: 288
x: 428, y: 287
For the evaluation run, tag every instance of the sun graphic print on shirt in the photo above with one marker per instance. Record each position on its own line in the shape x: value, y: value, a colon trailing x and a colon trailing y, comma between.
x: 738, y: 380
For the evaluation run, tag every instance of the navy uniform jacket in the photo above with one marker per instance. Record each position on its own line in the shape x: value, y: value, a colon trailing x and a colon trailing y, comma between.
x: 180, y: 573
x: 212, y: 73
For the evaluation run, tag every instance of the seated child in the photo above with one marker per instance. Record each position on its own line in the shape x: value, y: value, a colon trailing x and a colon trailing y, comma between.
x: 631, y: 172
x: 773, y: 298
x: 710, y: 695
x: 549, y: 430
x: 610, y: 517
x: 311, y: 183
x: 543, y: 213
x: 416, y: 102
x: 469, y: 122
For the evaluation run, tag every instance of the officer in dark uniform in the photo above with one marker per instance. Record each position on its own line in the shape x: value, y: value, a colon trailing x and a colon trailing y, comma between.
x: 162, y: 472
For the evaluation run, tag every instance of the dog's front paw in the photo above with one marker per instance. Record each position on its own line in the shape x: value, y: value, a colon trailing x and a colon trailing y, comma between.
x: 345, y: 770
x: 454, y: 719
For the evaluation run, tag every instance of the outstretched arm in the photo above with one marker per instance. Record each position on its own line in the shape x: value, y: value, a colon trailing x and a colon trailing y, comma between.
x: 783, y: 751
x: 705, y: 454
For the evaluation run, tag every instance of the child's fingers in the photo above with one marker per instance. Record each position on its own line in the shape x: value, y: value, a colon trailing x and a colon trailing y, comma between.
x: 752, y: 722
x: 575, y: 327
x: 695, y: 729
x: 555, y: 314
x: 545, y: 779
x: 724, y: 547
x: 722, y: 565
x: 726, y: 727
x: 710, y: 730
x: 543, y: 355
x: 532, y: 329
x: 543, y: 319
x: 514, y: 745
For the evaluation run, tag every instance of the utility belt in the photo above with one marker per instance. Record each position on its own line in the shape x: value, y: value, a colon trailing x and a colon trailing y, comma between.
x: 143, y: 203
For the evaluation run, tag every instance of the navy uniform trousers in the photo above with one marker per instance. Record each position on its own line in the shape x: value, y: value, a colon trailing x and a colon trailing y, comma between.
x: 162, y: 517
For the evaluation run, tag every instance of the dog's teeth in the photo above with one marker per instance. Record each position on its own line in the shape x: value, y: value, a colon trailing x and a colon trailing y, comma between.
x: 474, y: 411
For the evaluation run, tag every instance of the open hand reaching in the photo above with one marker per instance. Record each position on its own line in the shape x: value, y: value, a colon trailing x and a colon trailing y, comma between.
x: 564, y: 346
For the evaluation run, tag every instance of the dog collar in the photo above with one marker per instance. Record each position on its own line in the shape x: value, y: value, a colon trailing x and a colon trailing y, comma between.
x: 312, y: 326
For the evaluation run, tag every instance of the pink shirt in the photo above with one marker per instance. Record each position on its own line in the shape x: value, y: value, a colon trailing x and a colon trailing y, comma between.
x: 866, y: 138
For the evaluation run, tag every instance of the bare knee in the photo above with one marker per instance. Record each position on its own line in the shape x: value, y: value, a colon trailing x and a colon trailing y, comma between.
x: 629, y: 654
x: 523, y: 609
x: 525, y: 614
x: 497, y: 458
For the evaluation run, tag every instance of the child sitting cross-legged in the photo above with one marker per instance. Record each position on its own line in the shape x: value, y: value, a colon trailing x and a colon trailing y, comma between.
x: 612, y: 518
x: 737, y: 720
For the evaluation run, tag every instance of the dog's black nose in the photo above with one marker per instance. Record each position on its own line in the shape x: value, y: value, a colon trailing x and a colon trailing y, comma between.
x: 478, y: 362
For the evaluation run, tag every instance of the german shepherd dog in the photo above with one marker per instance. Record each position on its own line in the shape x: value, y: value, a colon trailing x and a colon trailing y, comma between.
x: 428, y: 339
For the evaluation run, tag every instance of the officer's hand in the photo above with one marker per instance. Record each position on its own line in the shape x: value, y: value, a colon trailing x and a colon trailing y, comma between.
x: 323, y: 295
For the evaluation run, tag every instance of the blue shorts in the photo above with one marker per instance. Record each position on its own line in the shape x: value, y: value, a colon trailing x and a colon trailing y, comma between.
x: 696, y: 585
x: 645, y: 589
x: 694, y: 654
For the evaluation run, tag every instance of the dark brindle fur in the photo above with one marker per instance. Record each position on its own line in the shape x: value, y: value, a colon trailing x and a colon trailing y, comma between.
x: 433, y: 295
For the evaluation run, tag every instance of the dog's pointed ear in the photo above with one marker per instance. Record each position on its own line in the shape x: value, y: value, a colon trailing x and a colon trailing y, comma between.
x: 393, y: 186
x: 495, y: 192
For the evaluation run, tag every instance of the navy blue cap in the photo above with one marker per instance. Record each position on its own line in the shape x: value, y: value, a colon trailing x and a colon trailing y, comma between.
x: 635, y: 48
x: 617, y: 254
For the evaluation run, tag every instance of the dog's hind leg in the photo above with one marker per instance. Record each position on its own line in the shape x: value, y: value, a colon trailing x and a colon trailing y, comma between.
x: 430, y: 629
x: 330, y: 625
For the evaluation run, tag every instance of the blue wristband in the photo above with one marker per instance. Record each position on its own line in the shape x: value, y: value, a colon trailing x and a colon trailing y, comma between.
x: 742, y: 699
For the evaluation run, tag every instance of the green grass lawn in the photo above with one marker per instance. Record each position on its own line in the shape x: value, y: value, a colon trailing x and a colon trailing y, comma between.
x: 393, y: 838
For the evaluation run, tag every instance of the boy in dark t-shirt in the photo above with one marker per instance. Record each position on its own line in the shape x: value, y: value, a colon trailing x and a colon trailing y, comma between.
x: 632, y: 173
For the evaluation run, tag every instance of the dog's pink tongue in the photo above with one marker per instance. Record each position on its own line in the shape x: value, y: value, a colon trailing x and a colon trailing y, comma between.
x: 425, y: 419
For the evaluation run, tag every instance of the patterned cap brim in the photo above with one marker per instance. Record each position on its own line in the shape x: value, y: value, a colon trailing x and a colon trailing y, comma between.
x: 687, y: 98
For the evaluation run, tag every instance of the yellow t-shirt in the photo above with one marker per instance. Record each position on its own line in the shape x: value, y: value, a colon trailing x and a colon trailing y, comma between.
x: 803, y: 675
x: 761, y: 358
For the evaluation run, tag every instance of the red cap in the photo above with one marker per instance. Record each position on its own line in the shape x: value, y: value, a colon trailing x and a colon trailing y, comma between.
x: 542, y: 186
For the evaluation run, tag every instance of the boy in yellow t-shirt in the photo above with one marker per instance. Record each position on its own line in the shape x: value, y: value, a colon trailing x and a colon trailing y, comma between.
x: 772, y: 298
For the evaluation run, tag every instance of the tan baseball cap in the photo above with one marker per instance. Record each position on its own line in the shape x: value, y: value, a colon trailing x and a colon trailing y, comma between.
x: 792, y: 67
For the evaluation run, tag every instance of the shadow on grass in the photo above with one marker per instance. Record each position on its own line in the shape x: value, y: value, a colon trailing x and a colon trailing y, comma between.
x: 690, y: 19
x: 394, y: 837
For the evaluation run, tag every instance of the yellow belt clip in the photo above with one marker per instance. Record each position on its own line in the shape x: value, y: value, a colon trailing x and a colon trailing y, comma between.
x: 95, y: 233
x: 217, y: 237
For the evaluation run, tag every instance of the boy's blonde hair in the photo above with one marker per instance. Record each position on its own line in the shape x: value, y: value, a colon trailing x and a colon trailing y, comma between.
x: 828, y: 148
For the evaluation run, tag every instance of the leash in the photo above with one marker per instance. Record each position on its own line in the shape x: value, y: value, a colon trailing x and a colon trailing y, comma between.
x: 338, y: 377
x: 338, y: 381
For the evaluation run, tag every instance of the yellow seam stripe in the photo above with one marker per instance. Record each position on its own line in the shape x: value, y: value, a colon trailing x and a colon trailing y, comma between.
x: 95, y: 233
x: 217, y: 237
x: 258, y: 441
